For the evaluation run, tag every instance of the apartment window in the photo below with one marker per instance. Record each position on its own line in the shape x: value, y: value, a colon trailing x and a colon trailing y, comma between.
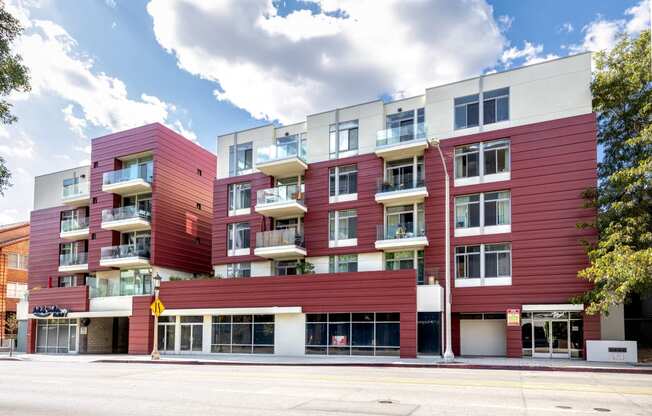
x: 199, y: 172
x: 481, y: 159
x: 467, y: 262
x: 405, y: 260
x: 286, y: 267
x: 495, y: 106
x: 482, y: 210
x: 497, y: 260
x: 239, y: 196
x: 17, y: 261
x: 343, y: 180
x: 404, y: 221
x: 16, y: 290
x: 240, y: 158
x: 67, y: 281
x: 342, y: 225
x: 483, y: 261
x: 238, y: 270
x: 405, y: 125
x: 243, y: 334
x: 343, y: 139
x: 343, y: 263
x: 238, y: 236
x: 467, y: 111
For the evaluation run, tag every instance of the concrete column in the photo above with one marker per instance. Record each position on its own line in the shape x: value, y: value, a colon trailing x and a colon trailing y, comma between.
x: 206, y: 334
x: 290, y: 334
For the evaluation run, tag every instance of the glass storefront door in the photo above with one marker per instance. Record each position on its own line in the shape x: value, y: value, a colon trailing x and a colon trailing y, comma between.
x: 552, y: 335
x: 191, y: 333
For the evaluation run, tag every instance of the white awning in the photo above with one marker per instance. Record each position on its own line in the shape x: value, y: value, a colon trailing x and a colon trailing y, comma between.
x: 273, y: 310
x: 98, y: 314
x: 568, y: 307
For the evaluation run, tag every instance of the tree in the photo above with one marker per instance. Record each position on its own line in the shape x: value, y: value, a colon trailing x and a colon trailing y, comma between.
x: 621, y: 259
x: 14, y: 77
x: 11, y: 326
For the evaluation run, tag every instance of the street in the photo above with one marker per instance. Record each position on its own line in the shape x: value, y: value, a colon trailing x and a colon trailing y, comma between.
x: 64, y: 388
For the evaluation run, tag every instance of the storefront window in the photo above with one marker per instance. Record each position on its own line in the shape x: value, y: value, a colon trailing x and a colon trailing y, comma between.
x: 243, y: 334
x: 56, y: 336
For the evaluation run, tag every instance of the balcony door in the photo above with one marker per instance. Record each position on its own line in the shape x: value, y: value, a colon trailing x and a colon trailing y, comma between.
x: 404, y: 173
x: 404, y: 221
x: 404, y: 125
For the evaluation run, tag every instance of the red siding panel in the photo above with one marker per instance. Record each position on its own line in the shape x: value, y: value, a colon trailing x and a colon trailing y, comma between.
x: 75, y: 299
x: 141, y: 326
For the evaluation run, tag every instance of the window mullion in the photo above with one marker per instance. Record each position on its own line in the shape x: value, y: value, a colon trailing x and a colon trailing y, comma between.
x: 481, y: 162
x: 482, y: 264
x: 482, y: 213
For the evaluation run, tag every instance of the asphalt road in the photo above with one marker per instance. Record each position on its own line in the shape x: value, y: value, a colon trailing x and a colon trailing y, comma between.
x: 58, y: 388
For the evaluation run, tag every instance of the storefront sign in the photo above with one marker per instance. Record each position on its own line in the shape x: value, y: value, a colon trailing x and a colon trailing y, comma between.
x: 513, y: 317
x: 49, y: 311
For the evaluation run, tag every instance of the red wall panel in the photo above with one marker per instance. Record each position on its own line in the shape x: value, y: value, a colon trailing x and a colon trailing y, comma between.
x: 141, y: 326
x: 75, y: 299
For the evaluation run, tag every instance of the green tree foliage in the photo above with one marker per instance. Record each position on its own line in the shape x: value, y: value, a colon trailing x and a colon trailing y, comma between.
x: 14, y: 77
x: 621, y: 259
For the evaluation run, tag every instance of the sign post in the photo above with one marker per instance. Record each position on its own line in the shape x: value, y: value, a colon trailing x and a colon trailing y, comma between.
x: 157, y: 309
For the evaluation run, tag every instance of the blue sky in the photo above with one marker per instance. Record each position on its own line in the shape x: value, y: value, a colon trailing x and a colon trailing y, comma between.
x: 209, y: 67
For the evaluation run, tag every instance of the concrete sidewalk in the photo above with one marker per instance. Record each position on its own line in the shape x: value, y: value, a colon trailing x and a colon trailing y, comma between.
x: 492, y: 363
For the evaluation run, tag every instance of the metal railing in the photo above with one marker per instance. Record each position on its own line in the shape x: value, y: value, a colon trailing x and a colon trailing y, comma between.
x: 125, y: 213
x: 399, y: 231
x: 282, y: 151
x: 125, y: 251
x: 398, y: 135
x: 407, y: 182
x: 74, y: 224
x: 144, y: 171
x: 278, y: 238
x: 285, y: 193
x: 73, y: 259
x: 75, y: 190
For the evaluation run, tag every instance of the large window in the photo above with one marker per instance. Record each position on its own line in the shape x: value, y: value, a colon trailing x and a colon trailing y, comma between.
x: 16, y: 290
x: 243, y: 334
x: 240, y: 158
x: 192, y: 333
x: 403, y: 174
x: 482, y: 210
x: 342, y: 225
x: 485, y: 262
x: 17, y: 261
x: 135, y: 282
x: 353, y: 334
x: 404, y: 221
x: 343, y: 263
x: 405, y: 260
x: 286, y: 267
x: 495, y: 106
x: 343, y: 139
x: 238, y: 237
x: 404, y: 126
x: 238, y: 270
x: 166, y: 331
x: 482, y: 159
x: 343, y: 180
x: 239, y: 196
x: 56, y: 336
x: 467, y: 113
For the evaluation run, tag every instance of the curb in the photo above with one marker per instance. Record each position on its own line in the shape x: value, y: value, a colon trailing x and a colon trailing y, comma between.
x: 392, y: 365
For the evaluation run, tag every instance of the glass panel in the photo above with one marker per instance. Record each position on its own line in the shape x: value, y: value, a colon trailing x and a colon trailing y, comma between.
x: 388, y: 334
x: 316, y: 334
x: 169, y: 337
x: 242, y: 334
x: 559, y: 337
x: 526, y: 335
x: 186, y: 334
x: 489, y: 115
x: 264, y: 334
x: 429, y: 333
x: 197, y: 336
x: 542, y: 337
x: 339, y: 334
x: 362, y: 334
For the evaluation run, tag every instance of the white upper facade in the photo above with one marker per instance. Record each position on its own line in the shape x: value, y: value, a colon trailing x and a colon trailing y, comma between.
x: 546, y: 91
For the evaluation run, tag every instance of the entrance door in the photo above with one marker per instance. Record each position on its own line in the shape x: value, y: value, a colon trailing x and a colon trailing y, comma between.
x: 191, y: 333
x: 551, y: 339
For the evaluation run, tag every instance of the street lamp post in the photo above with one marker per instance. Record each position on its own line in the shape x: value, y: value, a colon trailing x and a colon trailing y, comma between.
x: 448, y: 353
x: 157, y: 286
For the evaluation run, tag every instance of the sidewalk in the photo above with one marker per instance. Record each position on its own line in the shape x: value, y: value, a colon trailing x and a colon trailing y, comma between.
x: 490, y: 363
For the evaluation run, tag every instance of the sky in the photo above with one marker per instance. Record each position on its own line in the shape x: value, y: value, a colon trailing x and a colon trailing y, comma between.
x: 205, y: 68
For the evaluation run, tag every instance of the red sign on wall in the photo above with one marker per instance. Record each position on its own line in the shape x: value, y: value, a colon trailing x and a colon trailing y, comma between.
x: 513, y: 317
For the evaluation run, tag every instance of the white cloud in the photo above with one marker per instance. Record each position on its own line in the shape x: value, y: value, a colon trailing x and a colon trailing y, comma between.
x: 76, y: 124
x: 640, y: 17
x: 110, y: 3
x: 530, y: 53
x: 16, y: 143
x: 505, y: 22
x: 10, y: 216
x: 567, y: 28
x: 284, y: 67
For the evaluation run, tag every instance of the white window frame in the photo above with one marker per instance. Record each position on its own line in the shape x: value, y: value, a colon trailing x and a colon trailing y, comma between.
x: 236, y: 171
x: 483, y: 229
x: 496, y: 105
x: 337, y: 242
x: 16, y: 290
x: 482, y: 280
x: 231, y: 236
x: 338, y: 129
x: 233, y: 190
x: 335, y: 261
x: 17, y: 261
x: 332, y: 199
x: 233, y: 269
x: 482, y: 177
x: 478, y: 101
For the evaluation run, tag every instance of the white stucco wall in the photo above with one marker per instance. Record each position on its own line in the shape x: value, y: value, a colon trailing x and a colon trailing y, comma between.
x: 290, y: 334
x: 48, y: 189
x: 613, y: 325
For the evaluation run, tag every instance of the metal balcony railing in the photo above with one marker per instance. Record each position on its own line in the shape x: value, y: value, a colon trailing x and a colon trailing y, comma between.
x: 73, y: 259
x: 286, y: 193
x: 144, y: 171
x: 282, y: 151
x: 398, y: 231
x: 402, y: 134
x: 74, y: 224
x: 125, y: 213
x: 75, y: 190
x: 404, y: 183
x: 279, y: 238
x: 125, y: 251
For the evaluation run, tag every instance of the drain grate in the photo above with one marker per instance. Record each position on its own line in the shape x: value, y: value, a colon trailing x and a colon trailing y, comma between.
x: 601, y: 409
x: 564, y: 407
x: 386, y: 401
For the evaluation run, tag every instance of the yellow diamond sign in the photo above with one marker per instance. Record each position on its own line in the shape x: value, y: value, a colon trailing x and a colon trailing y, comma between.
x: 157, y: 307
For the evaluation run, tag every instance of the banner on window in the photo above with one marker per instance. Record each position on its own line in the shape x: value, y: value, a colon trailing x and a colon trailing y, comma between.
x: 339, y: 340
x: 513, y: 317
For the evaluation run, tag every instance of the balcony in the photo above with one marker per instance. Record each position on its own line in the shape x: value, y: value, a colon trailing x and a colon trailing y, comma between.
x: 73, y: 263
x: 282, y: 160
x: 401, y: 142
x: 131, y: 180
x: 282, y: 201
x: 74, y: 229
x: 126, y: 255
x: 280, y: 244
x: 129, y: 218
x: 76, y: 193
x: 400, y: 192
x: 401, y: 237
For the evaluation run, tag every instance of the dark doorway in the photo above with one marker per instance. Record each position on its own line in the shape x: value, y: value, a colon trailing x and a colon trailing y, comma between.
x: 429, y: 333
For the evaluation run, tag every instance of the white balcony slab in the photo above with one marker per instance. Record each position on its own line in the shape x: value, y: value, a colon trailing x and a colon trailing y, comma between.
x: 80, y: 234
x: 402, y: 150
x: 74, y: 268
x: 402, y: 243
x: 128, y: 187
x: 76, y: 200
x: 129, y: 224
x: 111, y: 303
x: 281, y: 209
x: 290, y: 166
x: 125, y: 262
x: 403, y: 196
x: 280, y: 252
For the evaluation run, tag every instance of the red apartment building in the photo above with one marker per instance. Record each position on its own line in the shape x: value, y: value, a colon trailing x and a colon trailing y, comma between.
x: 14, y: 258
x: 328, y: 235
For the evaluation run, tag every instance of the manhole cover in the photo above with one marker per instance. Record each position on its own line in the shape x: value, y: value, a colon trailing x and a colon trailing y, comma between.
x: 601, y: 409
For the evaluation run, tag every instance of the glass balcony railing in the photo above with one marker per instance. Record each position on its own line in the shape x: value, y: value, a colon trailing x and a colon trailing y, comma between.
x: 76, y: 190
x: 282, y: 151
x: 125, y: 213
x: 402, y: 134
x: 286, y: 193
x: 398, y: 231
x: 73, y: 259
x: 278, y: 238
x: 404, y: 183
x: 74, y: 224
x: 125, y: 251
x: 131, y: 285
x: 144, y: 171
